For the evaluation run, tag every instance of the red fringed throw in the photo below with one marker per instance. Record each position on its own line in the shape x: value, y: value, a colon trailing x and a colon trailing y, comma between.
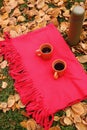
x: 39, y: 91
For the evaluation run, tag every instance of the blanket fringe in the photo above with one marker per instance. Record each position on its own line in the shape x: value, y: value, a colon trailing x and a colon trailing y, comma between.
x: 29, y: 95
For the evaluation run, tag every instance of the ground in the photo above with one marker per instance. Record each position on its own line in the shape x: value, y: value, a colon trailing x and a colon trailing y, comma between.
x: 19, y: 17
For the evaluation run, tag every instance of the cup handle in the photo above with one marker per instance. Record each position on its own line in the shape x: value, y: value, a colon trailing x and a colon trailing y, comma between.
x: 55, y: 75
x: 38, y: 52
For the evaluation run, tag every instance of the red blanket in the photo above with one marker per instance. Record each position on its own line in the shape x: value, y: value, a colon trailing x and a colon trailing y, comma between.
x: 39, y: 91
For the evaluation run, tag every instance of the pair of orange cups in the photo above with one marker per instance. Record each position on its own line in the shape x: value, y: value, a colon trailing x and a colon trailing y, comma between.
x: 58, y: 66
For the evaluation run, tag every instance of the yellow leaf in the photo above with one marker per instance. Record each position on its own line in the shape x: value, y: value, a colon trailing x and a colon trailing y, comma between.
x: 56, y: 118
x: 23, y: 124
x: 80, y: 126
x: 31, y: 124
x: 55, y: 128
x: 78, y: 108
x: 20, y: 104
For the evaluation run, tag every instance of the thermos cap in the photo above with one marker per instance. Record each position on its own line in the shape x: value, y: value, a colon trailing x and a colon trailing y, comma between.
x: 78, y: 13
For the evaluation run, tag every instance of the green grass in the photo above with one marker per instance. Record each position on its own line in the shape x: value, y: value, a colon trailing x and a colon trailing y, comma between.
x: 11, y: 120
x: 68, y: 127
x: 1, y: 3
x: 4, y: 94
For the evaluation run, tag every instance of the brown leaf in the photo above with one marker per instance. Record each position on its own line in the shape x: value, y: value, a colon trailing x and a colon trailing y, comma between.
x: 55, y: 21
x: 5, y: 16
x: 24, y: 124
x: 1, y: 57
x: 17, y: 97
x: 80, y: 126
x: 56, y: 118
x: 77, y: 118
x: 78, y: 108
x: 21, y: 1
x: 24, y: 114
x: 20, y: 104
x: 31, y: 124
x: 55, y: 128
x: 11, y: 101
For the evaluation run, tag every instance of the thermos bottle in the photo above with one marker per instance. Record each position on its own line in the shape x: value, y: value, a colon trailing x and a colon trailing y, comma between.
x: 76, y: 21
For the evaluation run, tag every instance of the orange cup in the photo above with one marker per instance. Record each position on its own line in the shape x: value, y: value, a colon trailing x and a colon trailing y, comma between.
x: 45, y: 51
x: 59, y: 67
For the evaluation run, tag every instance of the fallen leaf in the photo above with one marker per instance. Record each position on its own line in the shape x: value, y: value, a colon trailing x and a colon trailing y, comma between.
x: 64, y: 26
x: 21, y: 1
x: 68, y: 112
x: 1, y: 58
x: 56, y: 118
x: 77, y: 118
x: 21, y: 18
x: 40, y: 4
x: 13, y: 33
x: 5, y: 16
x: 60, y: 3
x: 55, y: 21
x: 11, y: 101
x: 3, y: 64
x: 80, y: 126
x: 3, y: 105
x: 12, y: 4
x: 17, y: 97
x: 4, y: 85
x: 31, y: 124
x: 67, y: 121
x: 78, y: 108
x: 16, y: 12
x: 24, y: 124
x: 21, y: 104
x: 17, y: 106
x: 55, y: 128
x: 82, y: 59
x: 24, y: 114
